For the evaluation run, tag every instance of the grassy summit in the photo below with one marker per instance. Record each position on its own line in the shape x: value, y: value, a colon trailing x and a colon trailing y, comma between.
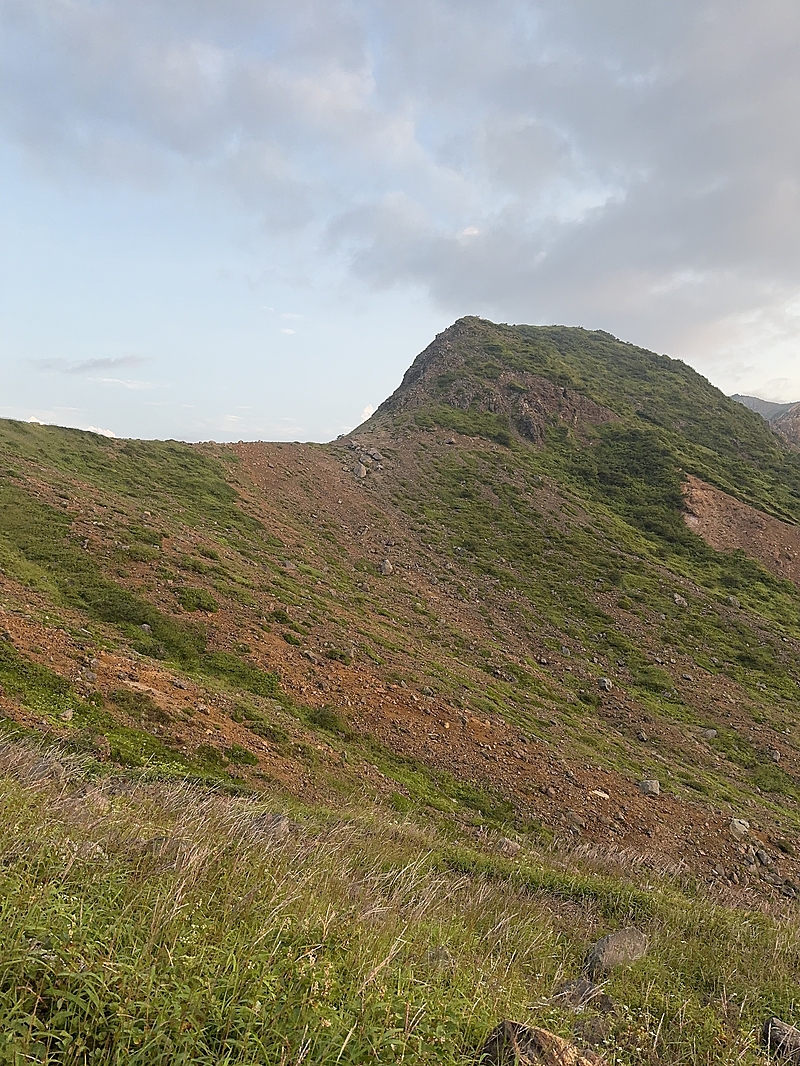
x: 450, y: 646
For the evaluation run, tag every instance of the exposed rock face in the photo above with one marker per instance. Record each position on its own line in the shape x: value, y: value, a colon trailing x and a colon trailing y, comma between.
x: 788, y: 423
x: 441, y: 375
x: 513, y: 1044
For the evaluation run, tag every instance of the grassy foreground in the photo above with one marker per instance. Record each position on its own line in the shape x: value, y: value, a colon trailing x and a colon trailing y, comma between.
x: 159, y: 923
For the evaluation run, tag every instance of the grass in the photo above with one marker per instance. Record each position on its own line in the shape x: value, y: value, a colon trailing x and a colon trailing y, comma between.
x: 163, y: 924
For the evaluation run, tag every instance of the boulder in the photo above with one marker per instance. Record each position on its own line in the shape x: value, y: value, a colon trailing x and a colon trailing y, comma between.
x: 650, y: 787
x: 513, y: 1044
x: 679, y: 600
x: 781, y: 1039
x: 617, y: 949
x: 386, y: 568
x: 605, y: 684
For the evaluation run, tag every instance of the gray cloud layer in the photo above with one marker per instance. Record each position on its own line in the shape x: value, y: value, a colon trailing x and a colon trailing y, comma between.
x: 624, y: 165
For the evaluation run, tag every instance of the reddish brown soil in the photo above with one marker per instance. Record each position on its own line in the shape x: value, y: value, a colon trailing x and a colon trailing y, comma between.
x: 727, y: 525
x: 330, y: 523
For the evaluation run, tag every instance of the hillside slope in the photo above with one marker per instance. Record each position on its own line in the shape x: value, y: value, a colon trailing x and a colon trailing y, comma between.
x: 783, y: 417
x: 550, y: 566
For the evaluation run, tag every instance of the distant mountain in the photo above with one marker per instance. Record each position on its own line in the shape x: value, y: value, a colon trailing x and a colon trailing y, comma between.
x: 783, y: 417
x: 766, y: 408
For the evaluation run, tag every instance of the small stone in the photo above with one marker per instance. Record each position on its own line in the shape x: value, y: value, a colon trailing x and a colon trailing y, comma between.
x: 509, y: 847
x: 514, y: 1044
x: 68, y: 715
x: 710, y: 734
x: 732, y: 601
x: 641, y: 735
x: 650, y: 787
x: 360, y: 470
x: 582, y: 993
x: 617, y: 949
x: 605, y: 684
x: 739, y: 827
x: 270, y: 826
x: 679, y: 601
x: 763, y: 858
x: 781, y: 1039
x: 88, y: 850
x: 386, y: 568
x: 775, y: 755
x: 145, y: 628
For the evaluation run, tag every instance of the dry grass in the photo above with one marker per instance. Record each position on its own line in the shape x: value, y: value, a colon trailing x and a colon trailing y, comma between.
x: 164, y: 924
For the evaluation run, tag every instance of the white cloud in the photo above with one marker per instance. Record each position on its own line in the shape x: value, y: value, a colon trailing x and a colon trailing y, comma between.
x: 125, y: 383
x: 368, y: 411
x: 288, y: 332
x: 628, y: 166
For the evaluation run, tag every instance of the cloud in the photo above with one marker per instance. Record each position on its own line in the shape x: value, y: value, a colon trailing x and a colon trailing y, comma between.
x: 61, y: 366
x: 623, y: 165
x: 289, y: 332
x: 368, y: 411
x: 125, y: 383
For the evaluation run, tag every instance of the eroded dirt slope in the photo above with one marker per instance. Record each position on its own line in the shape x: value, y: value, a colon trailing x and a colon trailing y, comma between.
x: 728, y: 525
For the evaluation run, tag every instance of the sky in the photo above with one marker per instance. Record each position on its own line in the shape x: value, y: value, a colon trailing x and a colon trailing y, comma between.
x: 243, y: 219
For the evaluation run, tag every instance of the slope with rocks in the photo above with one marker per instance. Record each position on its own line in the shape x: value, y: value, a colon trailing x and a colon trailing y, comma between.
x: 484, y: 607
x: 783, y: 417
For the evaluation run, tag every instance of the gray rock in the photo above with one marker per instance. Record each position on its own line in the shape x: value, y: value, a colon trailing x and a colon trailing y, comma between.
x: 775, y: 755
x: 740, y: 828
x: 710, y: 734
x: 733, y: 602
x: 679, y: 601
x: 360, y: 470
x: 580, y: 994
x: 270, y: 826
x: 763, y: 858
x: 514, y: 1044
x: 641, y: 735
x: 617, y: 949
x: 145, y: 628
x: 509, y: 847
x: 650, y: 787
x: 605, y: 684
x: 386, y: 568
x: 781, y: 1039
